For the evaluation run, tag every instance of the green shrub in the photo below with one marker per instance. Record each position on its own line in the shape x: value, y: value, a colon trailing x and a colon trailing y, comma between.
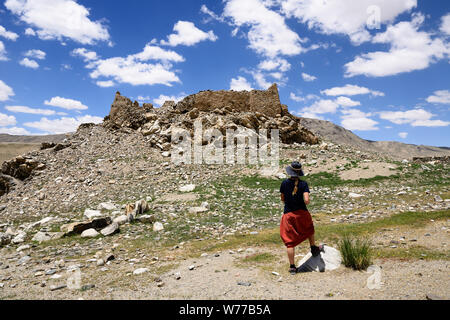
x: 356, y: 253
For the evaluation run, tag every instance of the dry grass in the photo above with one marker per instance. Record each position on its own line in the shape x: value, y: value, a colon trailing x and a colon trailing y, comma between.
x: 11, y: 150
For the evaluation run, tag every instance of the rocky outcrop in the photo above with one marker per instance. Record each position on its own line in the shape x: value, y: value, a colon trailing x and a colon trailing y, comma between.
x: 7, y: 183
x: 125, y: 113
x: 21, y: 167
x: 221, y: 110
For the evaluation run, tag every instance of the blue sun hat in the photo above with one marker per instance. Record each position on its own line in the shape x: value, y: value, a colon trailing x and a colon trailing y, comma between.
x: 295, y: 170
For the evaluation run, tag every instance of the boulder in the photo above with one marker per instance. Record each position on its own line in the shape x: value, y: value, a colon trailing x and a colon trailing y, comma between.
x: 78, y: 227
x: 20, y: 167
x: 89, y: 233
x: 88, y: 213
x: 328, y: 260
x: 111, y: 229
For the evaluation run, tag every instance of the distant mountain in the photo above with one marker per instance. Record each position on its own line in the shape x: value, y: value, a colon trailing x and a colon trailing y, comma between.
x: 339, y: 135
x: 5, y: 138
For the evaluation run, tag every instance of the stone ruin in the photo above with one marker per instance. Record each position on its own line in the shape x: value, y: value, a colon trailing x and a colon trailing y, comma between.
x: 222, y: 110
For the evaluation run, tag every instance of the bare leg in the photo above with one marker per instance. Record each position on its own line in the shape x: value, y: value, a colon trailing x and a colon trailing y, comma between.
x: 312, y: 241
x: 291, y: 255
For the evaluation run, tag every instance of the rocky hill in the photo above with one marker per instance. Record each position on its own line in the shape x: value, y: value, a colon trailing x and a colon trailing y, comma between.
x: 337, y: 134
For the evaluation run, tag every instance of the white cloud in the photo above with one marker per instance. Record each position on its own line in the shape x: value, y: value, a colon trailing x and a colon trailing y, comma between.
x: 62, y: 125
x: 36, y: 54
x: 5, y: 91
x: 351, y: 90
x: 240, y: 84
x: 134, y: 71
x: 186, y: 33
x: 25, y: 109
x: 273, y: 64
x: 321, y: 107
x: 347, y: 102
x: 3, y: 56
x: 106, y: 84
x: 403, y: 135
x: 15, y: 131
x: 59, y: 19
x: 30, y: 32
x: 29, y: 63
x: 162, y: 98
x: 440, y: 96
x: 296, y: 98
x: 6, y: 120
x: 347, y: 17
x: 86, y: 54
x: 204, y: 9
x: 353, y: 119
x: 415, y: 117
x: 308, y: 77
x: 410, y: 50
x: 64, y: 103
x: 8, y: 34
x: 268, y: 35
x: 261, y: 80
x: 445, y: 26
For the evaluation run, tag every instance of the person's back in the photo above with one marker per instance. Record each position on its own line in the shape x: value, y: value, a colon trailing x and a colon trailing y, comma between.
x: 294, y: 201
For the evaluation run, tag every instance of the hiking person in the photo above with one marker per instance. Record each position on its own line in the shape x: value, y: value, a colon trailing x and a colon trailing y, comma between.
x: 296, y: 224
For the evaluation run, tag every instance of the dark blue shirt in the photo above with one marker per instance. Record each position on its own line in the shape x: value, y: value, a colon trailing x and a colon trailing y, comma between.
x: 294, y: 202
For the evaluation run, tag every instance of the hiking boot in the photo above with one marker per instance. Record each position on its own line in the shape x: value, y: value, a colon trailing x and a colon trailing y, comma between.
x: 316, y: 250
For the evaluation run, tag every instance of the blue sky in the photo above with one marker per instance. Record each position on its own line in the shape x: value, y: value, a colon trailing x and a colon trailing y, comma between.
x: 378, y: 68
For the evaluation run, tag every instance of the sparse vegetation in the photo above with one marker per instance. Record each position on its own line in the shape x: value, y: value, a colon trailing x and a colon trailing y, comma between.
x: 356, y: 253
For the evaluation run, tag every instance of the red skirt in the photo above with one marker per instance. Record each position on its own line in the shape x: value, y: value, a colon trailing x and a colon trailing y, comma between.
x: 296, y: 227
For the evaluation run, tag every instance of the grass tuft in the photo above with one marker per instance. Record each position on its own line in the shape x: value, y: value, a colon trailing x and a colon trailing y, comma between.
x: 356, y: 253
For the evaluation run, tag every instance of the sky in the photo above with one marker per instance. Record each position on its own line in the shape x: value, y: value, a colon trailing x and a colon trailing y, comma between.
x: 376, y: 67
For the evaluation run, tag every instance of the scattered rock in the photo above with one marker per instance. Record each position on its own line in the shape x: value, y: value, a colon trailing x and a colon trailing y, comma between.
x: 89, y: 233
x: 158, y: 226
x: 187, y: 188
x: 113, y: 228
x: 140, y: 271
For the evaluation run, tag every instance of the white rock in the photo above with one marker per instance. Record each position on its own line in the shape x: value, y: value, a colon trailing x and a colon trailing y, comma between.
x: 88, y: 213
x: 108, y: 206
x: 327, y: 261
x: 158, y: 226
x: 191, y: 267
x: 140, y: 271
x: 197, y: 210
x: 90, y: 233
x: 187, y: 188
x: 120, y: 220
x: 20, y: 238
x: 355, y: 195
x: 41, y: 237
x: 24, y: 247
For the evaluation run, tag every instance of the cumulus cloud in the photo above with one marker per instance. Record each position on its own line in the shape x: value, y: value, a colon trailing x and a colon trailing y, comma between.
x: 6, y: 120
x: 410, y: 50
x: 5, y: 91
x: 356, y: 120
x: 275, y: 64
x: 348, y: 17
x: 240, y: 84
x: 64, y: 103
x: 351, y: 90
x: 415, y: 117
x: 85, y: 54
x: 308, y: 77
x: 440, y: 96
x: 445, y: 26
x: 3, y: 56
x: 8, y: 34
x: 133, y: 69
x: 28, y: 110
x: 106, y: 84
x: 36, y: 54
x: 15, y: 131
x: 403, y: 135
x: 59, y: 19
x: 29, y: 63
x: 347, y: 102
x: 62, y: 125
x: 163, y: 98
x: 186, y: 33
x: 269, y: 34
x: 319, y: 107
x: 296, y: 98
